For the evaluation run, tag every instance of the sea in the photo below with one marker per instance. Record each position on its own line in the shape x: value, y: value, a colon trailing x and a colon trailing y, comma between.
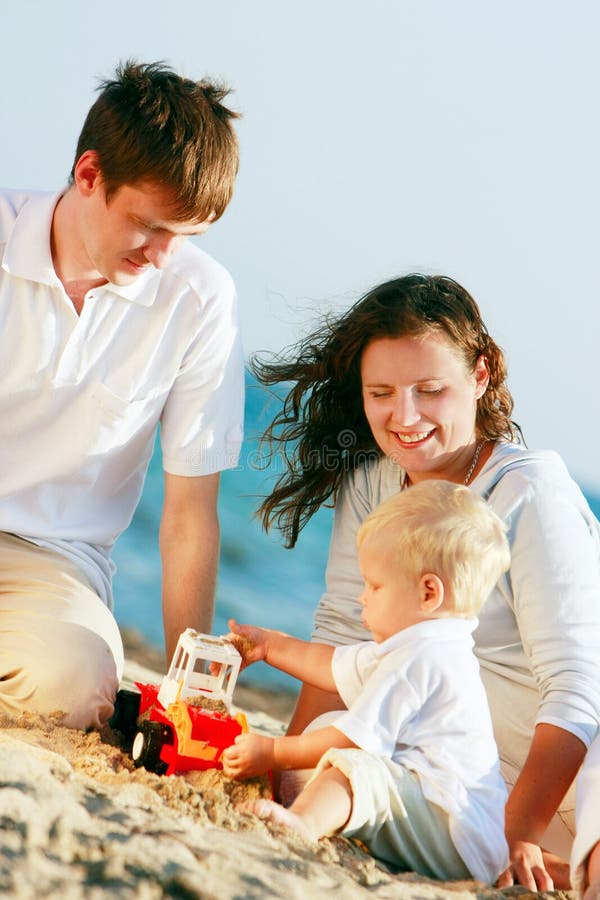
x: 259, y: 581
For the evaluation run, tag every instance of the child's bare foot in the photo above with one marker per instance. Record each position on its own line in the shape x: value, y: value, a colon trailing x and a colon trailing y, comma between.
x: 276, y: 814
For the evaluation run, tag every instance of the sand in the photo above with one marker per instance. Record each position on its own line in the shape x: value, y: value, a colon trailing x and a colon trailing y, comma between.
x: 77, y: 820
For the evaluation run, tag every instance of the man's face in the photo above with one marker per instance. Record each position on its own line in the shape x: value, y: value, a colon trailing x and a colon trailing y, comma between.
x: 133, y: 230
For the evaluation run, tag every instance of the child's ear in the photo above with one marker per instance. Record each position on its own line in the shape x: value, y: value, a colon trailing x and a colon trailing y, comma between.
x: 431, y: 593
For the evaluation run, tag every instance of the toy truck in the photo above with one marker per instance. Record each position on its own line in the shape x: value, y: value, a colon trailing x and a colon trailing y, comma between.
x: 186, y: 723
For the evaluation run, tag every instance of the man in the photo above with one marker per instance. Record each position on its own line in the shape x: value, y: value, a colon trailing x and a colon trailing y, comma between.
x: 110, y: 323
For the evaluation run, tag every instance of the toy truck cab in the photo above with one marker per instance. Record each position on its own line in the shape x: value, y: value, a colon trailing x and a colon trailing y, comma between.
x: 190, y: 670
x: 186, y: 723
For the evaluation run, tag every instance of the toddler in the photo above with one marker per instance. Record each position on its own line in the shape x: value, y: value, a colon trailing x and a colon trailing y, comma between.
x: 410, y: 767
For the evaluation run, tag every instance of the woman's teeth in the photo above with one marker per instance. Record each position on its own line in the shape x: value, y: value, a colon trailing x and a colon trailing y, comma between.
x: 413, y: 438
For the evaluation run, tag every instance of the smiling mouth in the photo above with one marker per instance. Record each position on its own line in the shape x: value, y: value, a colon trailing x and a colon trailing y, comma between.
x: 415, y: 437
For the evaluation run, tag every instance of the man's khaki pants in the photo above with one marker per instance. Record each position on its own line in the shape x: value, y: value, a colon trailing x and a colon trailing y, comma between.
x: 60, y: 648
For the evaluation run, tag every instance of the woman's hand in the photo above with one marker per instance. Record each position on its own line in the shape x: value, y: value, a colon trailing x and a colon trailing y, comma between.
x: 554, y: 758
x: 249, y: 640
x: 251, y: 754
x: 526, y: 868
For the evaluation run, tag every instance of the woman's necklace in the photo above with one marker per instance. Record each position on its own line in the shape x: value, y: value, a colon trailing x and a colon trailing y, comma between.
x: 469, y: 475
x: 473, y: 465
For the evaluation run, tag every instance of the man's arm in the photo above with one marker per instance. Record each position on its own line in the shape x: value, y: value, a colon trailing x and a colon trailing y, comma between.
x: 189, y: 549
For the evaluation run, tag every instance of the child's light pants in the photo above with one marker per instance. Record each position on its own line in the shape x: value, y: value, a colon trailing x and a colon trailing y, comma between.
x: 392, y: 816
x: 60, y: 647
x: 558, y: 837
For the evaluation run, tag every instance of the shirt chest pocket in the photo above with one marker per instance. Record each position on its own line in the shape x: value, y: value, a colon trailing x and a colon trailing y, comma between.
x: 119, y: 421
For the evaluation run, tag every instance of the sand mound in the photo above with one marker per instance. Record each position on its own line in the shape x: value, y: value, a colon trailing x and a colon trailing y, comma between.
x: 78, y: 820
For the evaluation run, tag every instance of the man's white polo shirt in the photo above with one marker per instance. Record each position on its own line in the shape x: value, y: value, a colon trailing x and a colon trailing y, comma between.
x: 81, y: 396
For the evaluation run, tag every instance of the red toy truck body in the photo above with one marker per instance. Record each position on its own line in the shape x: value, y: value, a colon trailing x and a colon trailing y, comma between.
x: 175, y: 732
x: 193, y: 738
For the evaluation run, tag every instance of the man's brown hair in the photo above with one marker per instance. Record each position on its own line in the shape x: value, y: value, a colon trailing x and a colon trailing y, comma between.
x: 150, y: 124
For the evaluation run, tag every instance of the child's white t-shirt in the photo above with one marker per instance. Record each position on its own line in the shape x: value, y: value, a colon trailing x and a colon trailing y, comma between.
x: 418, y: 699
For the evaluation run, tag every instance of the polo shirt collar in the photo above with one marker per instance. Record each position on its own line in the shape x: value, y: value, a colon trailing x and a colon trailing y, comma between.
x: 141, y: 291
x: 446, y: 627
x: 28, y: 253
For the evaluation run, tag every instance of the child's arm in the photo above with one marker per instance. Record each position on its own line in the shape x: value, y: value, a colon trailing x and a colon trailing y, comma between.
x: 254, y: 754
x: 302, y: 659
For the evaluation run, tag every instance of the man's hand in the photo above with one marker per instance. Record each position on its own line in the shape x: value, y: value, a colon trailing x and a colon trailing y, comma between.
x: 252, y: 754
x: 249, y: 640
x: 526, y: 868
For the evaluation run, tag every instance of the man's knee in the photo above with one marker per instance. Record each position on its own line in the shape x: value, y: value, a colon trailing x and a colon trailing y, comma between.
x: 68, y: 669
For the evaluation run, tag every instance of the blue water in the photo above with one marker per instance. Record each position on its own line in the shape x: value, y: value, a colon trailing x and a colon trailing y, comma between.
x: 259, y: 581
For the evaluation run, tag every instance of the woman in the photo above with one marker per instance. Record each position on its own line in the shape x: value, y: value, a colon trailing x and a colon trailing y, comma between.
x: 408, y: 385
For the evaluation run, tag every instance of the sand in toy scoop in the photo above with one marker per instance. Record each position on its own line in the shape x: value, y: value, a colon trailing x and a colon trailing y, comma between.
x: 208, y: 703
x: 198, y: 700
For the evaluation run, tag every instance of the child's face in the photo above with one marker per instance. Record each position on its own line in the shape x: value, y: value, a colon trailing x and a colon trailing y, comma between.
x: 391, y: 601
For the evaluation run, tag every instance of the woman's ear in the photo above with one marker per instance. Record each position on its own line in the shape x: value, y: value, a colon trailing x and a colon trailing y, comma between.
x: 431, y: 593
x: 482, y: 377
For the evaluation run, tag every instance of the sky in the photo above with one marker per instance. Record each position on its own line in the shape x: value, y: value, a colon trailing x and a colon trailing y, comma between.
x: 379, y: 137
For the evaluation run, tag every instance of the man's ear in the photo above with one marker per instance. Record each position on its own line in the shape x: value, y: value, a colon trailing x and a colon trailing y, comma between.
x: 431, y: 593
x: 87, y: 173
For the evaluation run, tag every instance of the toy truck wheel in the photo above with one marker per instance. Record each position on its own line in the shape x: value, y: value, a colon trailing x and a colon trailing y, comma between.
x: 147, y: 744
x: 125, y: 715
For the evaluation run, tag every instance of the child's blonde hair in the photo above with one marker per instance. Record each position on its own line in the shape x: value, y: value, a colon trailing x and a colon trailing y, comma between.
x: 448, y: 530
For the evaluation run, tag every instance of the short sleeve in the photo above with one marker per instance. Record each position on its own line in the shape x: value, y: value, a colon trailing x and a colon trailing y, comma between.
x: 351, y: 666
x: 387, y: 702
x: 202, y: 421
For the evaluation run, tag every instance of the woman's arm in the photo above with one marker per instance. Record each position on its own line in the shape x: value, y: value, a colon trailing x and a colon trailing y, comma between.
x: 552, y: 763
x: 311, y: 703
x: 555, y: 582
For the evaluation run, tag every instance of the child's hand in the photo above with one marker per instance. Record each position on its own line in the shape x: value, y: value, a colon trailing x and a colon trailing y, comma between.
x: 252, y: 754
x: 249, y: 640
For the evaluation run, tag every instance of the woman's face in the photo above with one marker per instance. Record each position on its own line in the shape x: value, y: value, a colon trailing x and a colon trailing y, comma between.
x: 420, y: 401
